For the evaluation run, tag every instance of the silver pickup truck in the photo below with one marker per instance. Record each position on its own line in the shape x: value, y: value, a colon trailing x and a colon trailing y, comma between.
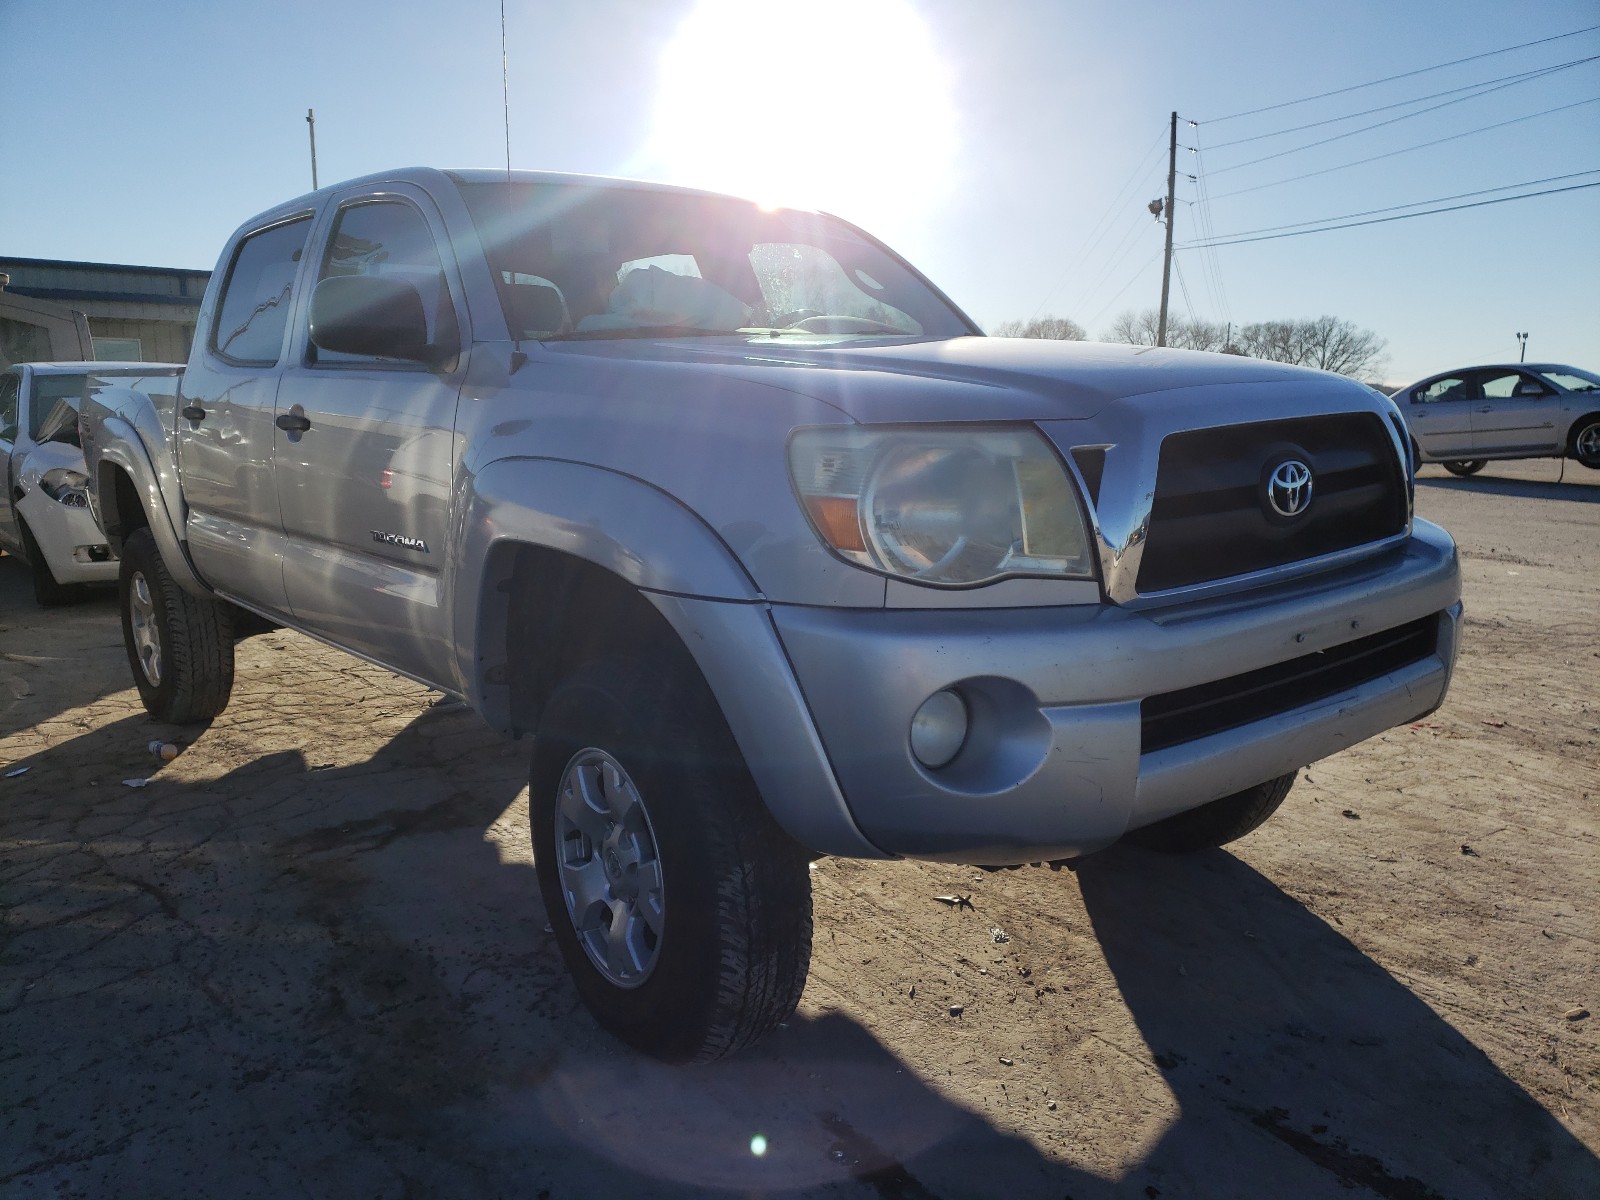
x: 769, y: 548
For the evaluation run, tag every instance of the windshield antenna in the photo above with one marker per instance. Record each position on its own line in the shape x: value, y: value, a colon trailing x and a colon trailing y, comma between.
x: 518, y: 358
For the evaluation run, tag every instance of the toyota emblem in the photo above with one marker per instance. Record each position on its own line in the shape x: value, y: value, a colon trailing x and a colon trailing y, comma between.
x: 1289, y: 488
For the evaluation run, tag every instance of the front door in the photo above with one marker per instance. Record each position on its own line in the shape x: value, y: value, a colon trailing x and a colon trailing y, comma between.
x: 1514, y: 413
x: 365, y: 486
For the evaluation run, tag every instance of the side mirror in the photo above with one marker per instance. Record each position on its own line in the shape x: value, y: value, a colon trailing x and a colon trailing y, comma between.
x: 1529, y: 388
x: 373, y: 315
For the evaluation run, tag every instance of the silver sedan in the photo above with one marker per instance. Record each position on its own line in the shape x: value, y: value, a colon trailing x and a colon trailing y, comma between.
x: 1466, y: 417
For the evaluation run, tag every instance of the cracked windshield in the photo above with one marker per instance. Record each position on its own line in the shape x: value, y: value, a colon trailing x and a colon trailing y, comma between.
x: 578, y: 262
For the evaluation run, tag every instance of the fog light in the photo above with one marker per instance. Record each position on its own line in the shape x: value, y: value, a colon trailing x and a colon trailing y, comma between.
x: 938, y: 729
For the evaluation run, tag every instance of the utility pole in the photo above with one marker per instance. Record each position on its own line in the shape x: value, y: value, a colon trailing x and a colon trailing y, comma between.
x: 311, y: 120
x: 1172, y: 196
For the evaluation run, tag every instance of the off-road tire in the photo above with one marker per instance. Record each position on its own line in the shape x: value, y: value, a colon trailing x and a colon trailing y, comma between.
x: 1585, y: 442
x: 192, y: 638
x: 47, y: 590
x: 734, y: 945
x: 1466, y: 466
x: 1215, y: 824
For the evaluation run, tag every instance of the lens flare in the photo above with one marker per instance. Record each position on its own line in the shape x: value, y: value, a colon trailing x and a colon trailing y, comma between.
x: 837, y: 104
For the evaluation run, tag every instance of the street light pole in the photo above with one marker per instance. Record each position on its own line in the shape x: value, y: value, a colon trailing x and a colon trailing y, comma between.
x: 1523, y: 338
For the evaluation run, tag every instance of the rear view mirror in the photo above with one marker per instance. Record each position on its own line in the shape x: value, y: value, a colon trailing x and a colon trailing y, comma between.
x: 373, y: 315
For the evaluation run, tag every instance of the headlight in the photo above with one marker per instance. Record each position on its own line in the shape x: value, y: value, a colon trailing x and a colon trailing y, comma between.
x: 66, y: 486
x: 942, y: 506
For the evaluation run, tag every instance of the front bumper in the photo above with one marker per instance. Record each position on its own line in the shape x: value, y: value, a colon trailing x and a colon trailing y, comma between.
x: 72, y: 543
x: 1054, y: 764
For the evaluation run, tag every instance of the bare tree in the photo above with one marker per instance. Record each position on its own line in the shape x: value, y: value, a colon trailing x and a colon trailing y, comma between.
x: 1329, y: 343
x: 1140, y: 329
x: 1136, y: 329
x: 1060, y: 329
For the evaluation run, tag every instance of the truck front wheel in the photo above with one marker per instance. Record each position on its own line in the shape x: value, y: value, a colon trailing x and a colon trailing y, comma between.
x: 682, y: 910
x: 1215, y: 824
x: 180, y: 646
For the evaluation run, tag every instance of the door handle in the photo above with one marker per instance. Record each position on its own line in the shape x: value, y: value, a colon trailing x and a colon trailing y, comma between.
x: 293, y: 423
x: 194, y: 412
x: 1487, y: 408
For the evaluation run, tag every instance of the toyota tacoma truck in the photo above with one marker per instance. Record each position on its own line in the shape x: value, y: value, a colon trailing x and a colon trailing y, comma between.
x: 770, y: 549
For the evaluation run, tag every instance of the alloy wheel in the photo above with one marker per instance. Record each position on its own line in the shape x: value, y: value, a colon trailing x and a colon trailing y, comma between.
x: 609, y: 868
x: 143, y: 621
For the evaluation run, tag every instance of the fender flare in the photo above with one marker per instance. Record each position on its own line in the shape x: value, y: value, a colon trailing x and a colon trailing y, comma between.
x: 628, y: 527
x: 652, y: 541
x: 118, y: 446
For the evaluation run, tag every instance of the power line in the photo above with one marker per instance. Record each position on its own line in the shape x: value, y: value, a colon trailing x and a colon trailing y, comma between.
x: 1408, y: 149
x: 1148, y: 263
x: 1356, y: 87
x: 1518, y: 77
x: 1270, y: 237
x: 1402, y: 117
x: 1177, y: 267
x: 1209, y: 258
x: 1103, y: 226
x: 1129, y: 243
x: 1507, y: 187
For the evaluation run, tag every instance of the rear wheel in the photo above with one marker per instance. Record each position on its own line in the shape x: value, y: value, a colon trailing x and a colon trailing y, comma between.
x: 681, y: 909
x: 47, y: 590
x: 1586, y: 442
x: 1466, y: 466
x: 1215, y: 824
x: 180, y: 645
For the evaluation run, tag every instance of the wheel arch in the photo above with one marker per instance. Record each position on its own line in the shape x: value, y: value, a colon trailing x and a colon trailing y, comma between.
x: 1571, y: 447
x: 128, y: 495
x: 537, y: 532
x: 585, y: 559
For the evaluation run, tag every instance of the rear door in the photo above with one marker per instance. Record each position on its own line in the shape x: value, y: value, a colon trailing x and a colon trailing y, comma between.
x: 1439, y: 415
x: 225, y: 423
x: 1515, y: 413
x: 365, y: 487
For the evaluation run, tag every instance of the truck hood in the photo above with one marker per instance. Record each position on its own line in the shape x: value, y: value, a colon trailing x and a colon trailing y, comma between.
x: 949, y: 379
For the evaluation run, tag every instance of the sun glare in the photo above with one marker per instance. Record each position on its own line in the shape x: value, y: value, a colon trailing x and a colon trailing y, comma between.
x: 835, y: 104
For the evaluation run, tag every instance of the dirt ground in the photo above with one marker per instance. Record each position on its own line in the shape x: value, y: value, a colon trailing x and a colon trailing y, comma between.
x: 308, y: 959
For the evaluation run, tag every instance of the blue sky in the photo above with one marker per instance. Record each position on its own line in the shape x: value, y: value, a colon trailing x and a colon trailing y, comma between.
x: 1008, y: 148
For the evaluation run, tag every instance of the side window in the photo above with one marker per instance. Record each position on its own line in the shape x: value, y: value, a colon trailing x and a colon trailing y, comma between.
x: 1503, y: 385
x: 390, y: 238
x: 1442, y: 391
x: 255, y: 299
x: 8, y: 407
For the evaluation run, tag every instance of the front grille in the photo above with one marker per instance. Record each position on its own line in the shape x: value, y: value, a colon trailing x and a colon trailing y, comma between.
x: 1209, y: 520
x: 1173, y: 718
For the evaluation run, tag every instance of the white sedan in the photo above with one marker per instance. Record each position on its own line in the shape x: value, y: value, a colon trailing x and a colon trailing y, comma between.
x: 44, y: 509
x: 1464, y: 418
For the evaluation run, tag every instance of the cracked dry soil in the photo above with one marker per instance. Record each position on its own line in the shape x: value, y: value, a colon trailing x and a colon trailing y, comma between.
x: 308, y: 957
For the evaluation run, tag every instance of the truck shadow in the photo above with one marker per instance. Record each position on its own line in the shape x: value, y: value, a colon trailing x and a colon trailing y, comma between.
x: 280, y: 978
x: 283, y: 978
x: 1299, y: 1063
